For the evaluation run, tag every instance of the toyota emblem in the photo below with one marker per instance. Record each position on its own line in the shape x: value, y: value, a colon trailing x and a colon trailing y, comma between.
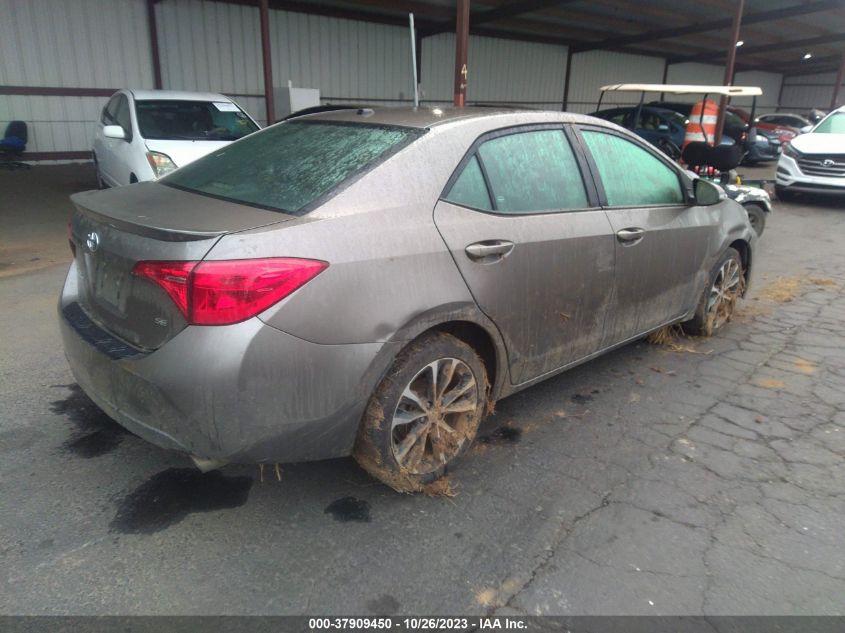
x: 92, y: 241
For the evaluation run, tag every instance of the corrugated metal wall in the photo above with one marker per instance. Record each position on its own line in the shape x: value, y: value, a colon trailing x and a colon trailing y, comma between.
x: 346, y: 59
x: 498, y: 71
x: 803, y: 92
x: 56, y: 43
x: 207, y: 45
x: 594, y: 69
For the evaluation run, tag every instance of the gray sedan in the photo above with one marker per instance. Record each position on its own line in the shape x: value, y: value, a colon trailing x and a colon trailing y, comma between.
x: 369, y: 282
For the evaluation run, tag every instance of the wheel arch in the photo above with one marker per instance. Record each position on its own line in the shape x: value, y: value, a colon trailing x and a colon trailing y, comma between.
x: 467, y: 323
x: 744, y: 250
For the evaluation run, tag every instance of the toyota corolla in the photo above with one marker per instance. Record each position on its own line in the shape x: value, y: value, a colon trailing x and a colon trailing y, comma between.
x: 368, y: 282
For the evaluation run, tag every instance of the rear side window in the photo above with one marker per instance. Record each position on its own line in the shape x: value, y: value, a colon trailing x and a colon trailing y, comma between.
x: 291, y: 165
x: 527, y: 172
x: 631, y: 175
x: 533, y: 171
x: 469, y: 189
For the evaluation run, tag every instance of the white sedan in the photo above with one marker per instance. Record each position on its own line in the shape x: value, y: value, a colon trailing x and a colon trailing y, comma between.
x: 145, y: 134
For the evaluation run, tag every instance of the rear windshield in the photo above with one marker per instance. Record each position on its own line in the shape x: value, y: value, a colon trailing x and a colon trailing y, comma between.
x: 192, y: 120
x: 289, y: 166
x: 834, y: 124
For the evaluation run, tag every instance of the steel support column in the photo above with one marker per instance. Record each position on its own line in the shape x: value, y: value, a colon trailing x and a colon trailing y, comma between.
x: 840, y: 75
x: 461, y: 47
x: 566, y: 79
x: 266, y: 59
x: 156, y: 59
x: 729, y: 69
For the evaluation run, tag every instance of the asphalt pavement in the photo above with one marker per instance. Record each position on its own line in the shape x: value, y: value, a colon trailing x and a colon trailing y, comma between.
x: 705, y: 477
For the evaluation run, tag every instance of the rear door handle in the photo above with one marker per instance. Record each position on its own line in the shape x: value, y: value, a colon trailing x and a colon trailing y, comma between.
x: 630, y: 235
x: 489, y: 250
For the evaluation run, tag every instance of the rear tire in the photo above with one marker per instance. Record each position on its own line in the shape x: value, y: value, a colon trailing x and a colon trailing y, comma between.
x: 757, y: 217
x: 424, y: 414
x: 718, y: 301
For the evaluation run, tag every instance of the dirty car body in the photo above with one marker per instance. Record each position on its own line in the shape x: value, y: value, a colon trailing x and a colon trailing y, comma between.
x: 434, y: 230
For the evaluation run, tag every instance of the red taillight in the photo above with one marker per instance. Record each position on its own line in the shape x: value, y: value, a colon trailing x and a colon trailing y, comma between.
x: 229, y: 291
x: 174, y: 277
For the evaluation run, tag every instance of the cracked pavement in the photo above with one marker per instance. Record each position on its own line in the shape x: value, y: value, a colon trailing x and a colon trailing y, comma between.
x: 650, y: 481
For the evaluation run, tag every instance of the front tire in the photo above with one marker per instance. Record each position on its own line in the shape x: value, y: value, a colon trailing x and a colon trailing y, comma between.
x: 424, y: 414
x: 718, y: 301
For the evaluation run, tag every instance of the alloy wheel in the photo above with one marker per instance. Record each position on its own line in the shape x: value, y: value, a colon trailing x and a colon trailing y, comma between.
x: 724, y: 294
x: 432, y: 422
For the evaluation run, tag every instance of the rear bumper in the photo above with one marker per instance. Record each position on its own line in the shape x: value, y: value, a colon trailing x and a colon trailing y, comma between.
x: 790, y: 176
x: 241, y: 393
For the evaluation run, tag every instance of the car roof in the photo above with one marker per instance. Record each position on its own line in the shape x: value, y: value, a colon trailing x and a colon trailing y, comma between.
x: 176, y: 95
x: 429, y: 117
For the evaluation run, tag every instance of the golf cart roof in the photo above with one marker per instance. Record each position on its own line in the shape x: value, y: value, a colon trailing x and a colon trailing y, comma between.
x: 682, y: 89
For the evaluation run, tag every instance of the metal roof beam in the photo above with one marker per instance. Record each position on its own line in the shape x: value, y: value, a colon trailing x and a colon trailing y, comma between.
x: 502, y: 12
x: 613, y: 43
x: 765, y: 48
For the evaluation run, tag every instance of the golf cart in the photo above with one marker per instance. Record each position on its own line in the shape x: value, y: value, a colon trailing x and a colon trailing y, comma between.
x: 698, y: 154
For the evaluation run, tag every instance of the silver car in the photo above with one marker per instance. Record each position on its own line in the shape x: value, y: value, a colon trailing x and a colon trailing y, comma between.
x: 369, y: 282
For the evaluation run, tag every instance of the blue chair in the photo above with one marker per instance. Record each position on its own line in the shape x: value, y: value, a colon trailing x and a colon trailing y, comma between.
x: 12, y: 146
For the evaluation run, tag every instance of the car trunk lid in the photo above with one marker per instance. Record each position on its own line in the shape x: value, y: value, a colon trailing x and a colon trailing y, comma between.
x: 114, y: 230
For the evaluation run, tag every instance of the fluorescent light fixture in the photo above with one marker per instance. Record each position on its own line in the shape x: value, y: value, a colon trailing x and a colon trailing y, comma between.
x: 740, y: 43
x: 807, y: 55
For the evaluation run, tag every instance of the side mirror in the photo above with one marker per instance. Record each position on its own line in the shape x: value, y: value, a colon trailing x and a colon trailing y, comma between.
x: 706, y: 193
x: 114, y: 131
x: 806, y: 129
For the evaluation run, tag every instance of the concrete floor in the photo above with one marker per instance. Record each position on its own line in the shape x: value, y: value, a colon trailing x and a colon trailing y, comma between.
x: 649, y: 481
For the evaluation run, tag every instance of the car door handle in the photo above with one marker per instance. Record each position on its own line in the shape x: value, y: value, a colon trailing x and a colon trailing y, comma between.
x: 630, y: 235
x: 489, y: 249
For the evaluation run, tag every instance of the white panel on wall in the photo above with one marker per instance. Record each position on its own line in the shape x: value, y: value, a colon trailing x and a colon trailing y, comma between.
x: 594, y: 69
x: 498, y: 71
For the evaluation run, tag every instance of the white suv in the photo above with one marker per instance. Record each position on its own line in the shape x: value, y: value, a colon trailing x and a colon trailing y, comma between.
x: 814, y: 162
x: 145, y: 134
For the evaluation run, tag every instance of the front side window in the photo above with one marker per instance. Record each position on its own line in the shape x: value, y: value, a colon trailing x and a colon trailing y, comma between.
x: 288, y: 166
x: 192, y: 120
x: 632, y: 176
x: 533, y: 171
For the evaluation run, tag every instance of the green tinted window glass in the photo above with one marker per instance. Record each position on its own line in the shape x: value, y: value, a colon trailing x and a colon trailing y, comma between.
x: 631, y: 175
x: 533, y: 171
x: 834, y: 124
x: 469, y: 189
x: 290, y: 165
